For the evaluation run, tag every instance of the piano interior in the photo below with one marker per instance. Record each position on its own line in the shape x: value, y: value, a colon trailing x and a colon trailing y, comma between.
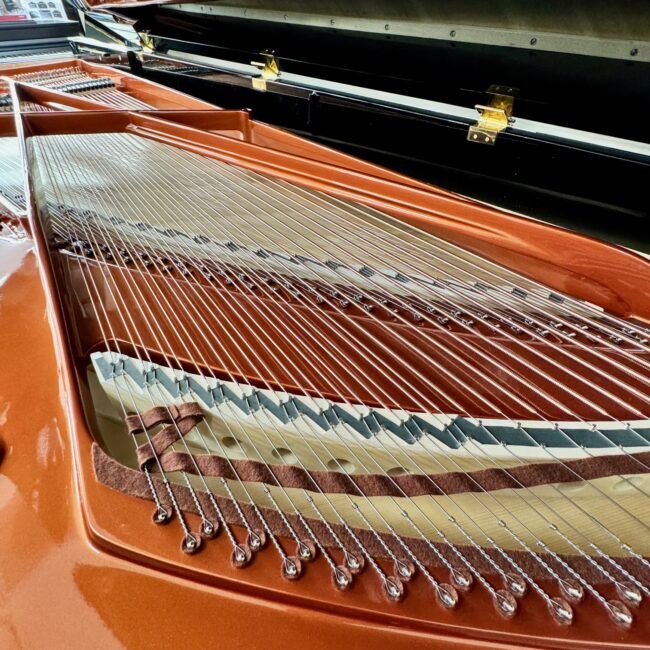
x: 295, y: 372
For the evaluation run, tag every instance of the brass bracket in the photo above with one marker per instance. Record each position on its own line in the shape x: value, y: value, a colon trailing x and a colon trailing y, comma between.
x: 494, y: 117
x: 270, y: 70
x: 146, y: 41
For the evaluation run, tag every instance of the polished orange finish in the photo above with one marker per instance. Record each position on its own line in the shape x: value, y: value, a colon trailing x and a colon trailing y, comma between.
x: 156, y: 95
x: 83, y: 565
x: 79, y: 572
x: 185, y: 109
x: 57, y: 588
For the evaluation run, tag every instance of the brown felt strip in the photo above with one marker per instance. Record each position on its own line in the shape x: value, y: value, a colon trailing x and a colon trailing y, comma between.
x: 162, y: 415
x: 168, y: 435
x: 412, y: 485
x: 189, y: 414
x: 132, y: 482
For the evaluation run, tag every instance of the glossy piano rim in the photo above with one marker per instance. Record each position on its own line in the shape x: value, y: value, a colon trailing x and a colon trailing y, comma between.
x: 105, y: 511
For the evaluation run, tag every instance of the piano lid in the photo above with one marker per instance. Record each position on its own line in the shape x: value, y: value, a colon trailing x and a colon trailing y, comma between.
x: 604, y: 28
x: 561, y: 60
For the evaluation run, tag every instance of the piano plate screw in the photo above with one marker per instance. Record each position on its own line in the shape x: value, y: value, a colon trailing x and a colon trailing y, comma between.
x: 161, y: 516
x: 256, y: 540
x: 353, y: 563
x: 394, y: 589
x: 342, y: 578
x: 291, y: 568
x: 306, y: 551
x: 241, y: 556
x: 190, y: 544
x: 461, y: 579
x: 208, y: 529
x: 515, y: 584
x: 561, y: 611
x: 629, y: 593
x: 505, y: 603
x: 572, y: 590
x: 619, y: 613
x: 404, y: 570
x: 447, y: 596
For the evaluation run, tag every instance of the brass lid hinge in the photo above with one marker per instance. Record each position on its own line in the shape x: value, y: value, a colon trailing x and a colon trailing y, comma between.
x: 269, y: 70
x: 494, y: 117
x: 146, y: 41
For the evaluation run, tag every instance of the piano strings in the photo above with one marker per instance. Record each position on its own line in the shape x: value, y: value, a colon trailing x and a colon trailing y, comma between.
x: 324, y: 245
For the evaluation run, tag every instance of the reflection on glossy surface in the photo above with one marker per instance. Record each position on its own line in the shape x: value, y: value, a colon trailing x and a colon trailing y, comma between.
x: 56, y: 590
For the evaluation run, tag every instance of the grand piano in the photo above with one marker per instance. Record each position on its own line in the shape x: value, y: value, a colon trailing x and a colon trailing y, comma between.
x: 327, y: 323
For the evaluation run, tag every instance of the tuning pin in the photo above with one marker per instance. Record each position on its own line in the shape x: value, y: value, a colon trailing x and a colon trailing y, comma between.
x: 241, y: 556
x: 461, y: 579
x: 515, y: 583
x: 572, y: 590
x: 208, y: 529
x: 342, y: 578
x: 619, y: 613
x: 355, y: 563
x: 306, y: 550
x: 505, y: 603
x: 447, y: 596
x: 629, y: 593
x: 394, y: 589
x: 256, y: 540
x: 162, y: 515
x: 561, y: 611
x: 404, y: 570
x: 191, y: 543
x: 291, y: 568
